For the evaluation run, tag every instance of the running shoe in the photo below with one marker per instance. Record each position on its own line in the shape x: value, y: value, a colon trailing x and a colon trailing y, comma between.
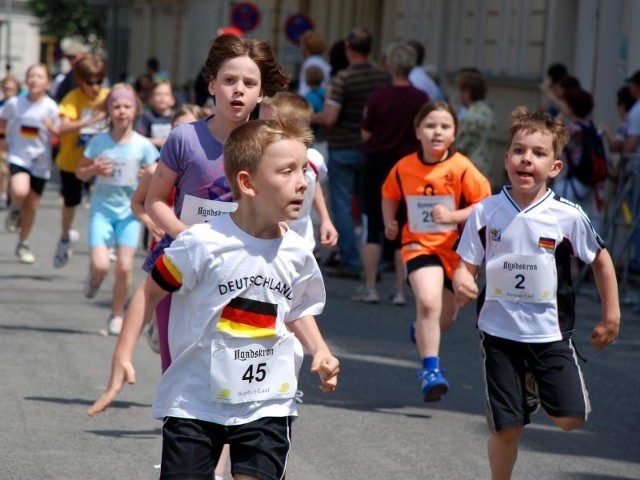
x: 114, y: 325
x: 12, y: 221
x: 432, y: 383
x: 63, y: 253
x: 151, y: 334
x: 366, y: 294
x: 398, y: 299
x: 24, y: 253
x: 531, y: 391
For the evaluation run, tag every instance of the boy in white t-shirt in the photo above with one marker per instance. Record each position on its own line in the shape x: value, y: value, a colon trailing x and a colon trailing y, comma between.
x: 245, y: 292
x: 526, y: 235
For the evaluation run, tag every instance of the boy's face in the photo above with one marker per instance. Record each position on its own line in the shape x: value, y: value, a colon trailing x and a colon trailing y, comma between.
x: 279, y: 182
x: 530, y: 162
x: 162, y: 98
x: 237, y: 88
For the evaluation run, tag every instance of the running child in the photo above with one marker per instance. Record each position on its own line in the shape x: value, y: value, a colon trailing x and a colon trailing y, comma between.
x: 30, y: 124
x: 186, y: 113
x: 440, y: 187
x: 291, y: 107
x: 10, y: 86
x: 155, y: 123
x: 222, y: 315
x: 115, y: 159
x: 525, y: 236
x: 81, y: 117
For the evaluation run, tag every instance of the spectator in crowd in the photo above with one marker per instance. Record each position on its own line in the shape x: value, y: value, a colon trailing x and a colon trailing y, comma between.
x: 419, y: 77
x: 313, y: 47
x: 474, y: 131
x: 389, y: 135
x: 73, y: 50
x: 342, y: 112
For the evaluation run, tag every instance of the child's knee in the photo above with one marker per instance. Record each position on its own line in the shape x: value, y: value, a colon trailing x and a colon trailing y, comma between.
x: 568, y: 423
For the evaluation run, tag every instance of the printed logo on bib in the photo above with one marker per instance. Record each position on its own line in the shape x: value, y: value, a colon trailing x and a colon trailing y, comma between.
x: 420, y: 213
x: 522, y: 278
x: 124, y: 173
x: 253, y: 370
x: 201, y: 210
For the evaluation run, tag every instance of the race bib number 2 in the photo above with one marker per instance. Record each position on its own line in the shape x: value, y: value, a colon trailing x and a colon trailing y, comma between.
x: 522, y: 278
x: 252, y: 370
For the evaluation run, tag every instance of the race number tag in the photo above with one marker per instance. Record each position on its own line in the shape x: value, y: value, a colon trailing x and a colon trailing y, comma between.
x: 200, y: 210
x: 253, y: 369
x: 522, y: 278
x: 124, y: 173
x: 160, y: 130
x: 420, y: 212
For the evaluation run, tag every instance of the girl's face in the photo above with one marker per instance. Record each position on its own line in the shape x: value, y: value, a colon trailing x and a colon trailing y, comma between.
x: 37, y: 80
x: 530, y: 162
x: 186, y: 118
x: 122, y: 112
x: 237, y: 88
x: 436, y: 133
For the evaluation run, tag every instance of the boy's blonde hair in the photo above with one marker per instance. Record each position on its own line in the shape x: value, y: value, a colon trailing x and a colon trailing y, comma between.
x: 290, y: 107
x: 532, y: 122
x: 245, y: 147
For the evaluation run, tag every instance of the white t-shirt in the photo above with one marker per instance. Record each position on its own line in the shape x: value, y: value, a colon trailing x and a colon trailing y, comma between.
x: 527, y: 254
x: 220, y: 265
x: 316, y: 172
x: 29, y: 141
x: 420, y: 79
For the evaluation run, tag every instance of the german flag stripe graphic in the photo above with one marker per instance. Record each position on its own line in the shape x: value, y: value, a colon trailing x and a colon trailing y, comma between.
x: 29, y: 132
x: 547, y: 243
x: 166, y: 274
x: 249, y: 318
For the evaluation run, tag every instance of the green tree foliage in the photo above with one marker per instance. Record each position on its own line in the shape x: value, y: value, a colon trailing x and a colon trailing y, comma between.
x: 68, y: 18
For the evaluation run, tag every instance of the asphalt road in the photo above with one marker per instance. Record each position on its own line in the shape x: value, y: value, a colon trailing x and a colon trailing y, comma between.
x: 55, y: 362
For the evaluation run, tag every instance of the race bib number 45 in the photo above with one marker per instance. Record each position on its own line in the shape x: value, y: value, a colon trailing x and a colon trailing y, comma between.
x: 252, y: 370
x: 522, y: 278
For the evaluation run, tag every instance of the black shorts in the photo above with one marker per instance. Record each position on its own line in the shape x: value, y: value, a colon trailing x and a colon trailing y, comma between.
x: 555, y: 367
x: 428, y: 261
x: 35, y: 184
x: 191, y: 448
x: 71, y: 189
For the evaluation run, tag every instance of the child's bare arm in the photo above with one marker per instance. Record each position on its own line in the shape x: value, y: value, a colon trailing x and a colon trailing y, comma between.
x: 389, y: 210
x: 323, y: 363
x: 157, y: 202
x: 606, y: 330
x: 140, y: 309
x: 328, y: 232
x: 138, y: 199
x: 464, y: 283
x: 442, y: 214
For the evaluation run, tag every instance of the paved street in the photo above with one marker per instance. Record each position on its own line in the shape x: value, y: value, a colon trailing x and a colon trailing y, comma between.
x: 54, y: 362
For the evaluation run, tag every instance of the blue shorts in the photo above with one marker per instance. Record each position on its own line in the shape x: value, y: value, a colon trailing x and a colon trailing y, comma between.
x: 191, y: 448
x: 106, y: 231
